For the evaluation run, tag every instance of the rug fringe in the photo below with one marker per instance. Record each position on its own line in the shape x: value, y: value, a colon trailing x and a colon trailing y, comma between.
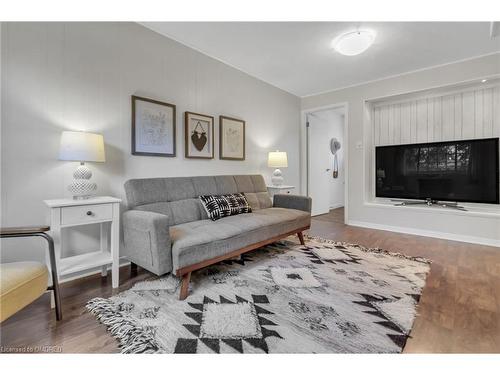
x: 371, y: 249
x: 133, y: 338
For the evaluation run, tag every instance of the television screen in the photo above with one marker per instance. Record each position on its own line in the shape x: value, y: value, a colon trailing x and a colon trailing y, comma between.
x: 457, y: 171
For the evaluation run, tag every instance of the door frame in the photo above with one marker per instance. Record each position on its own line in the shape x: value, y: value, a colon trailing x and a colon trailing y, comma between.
x: 304, y: 154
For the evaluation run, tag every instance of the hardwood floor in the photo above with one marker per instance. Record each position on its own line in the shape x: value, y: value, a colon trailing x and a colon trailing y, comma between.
x: 459, y: 310
x: 335, y: 216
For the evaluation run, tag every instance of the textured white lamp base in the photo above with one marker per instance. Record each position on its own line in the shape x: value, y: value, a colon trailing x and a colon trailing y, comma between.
x: 277, y: 178
x: 82, y: 187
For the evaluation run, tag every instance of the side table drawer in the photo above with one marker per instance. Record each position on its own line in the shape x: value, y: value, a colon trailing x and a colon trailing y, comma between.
x: 280, y: 191
x: 86, y: 214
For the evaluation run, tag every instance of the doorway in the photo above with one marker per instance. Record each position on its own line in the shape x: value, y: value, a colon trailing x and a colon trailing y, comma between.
x: 326, y: 160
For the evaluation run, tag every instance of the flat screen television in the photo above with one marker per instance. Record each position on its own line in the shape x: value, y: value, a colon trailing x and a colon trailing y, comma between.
x: 457, y: 171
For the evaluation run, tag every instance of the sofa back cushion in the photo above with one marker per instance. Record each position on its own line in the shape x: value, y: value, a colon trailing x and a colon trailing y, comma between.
x: 177, y: 197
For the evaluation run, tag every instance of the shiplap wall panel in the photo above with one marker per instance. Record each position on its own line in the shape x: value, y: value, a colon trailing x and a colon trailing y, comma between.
x: 413, y: 121
x: 463, y: 115
x: 496, y: 111
x: 390, y: 125
x: 405, y: 123
x: 457, y: 116
x: 397, y: 122
x: 448, y: 118
x: 421, y: 121
x: 488, y: 113
x: 468, y: 115
x: 438, y: 118
x: 430, y: 120
x: 478, y: 114
x: 376, y: 123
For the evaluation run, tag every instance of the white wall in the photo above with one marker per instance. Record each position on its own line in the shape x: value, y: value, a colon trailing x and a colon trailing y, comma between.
x: 80, y: 76
x: 477, y: 226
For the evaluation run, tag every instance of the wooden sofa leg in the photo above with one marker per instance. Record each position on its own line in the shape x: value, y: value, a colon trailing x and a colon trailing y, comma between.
x: 185, y: 286
x: 301, y: 238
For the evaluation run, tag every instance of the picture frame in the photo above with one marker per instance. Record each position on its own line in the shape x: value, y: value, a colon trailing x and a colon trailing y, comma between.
x: 231, y: 138
x: 198, y: 136
x: 153, y: 127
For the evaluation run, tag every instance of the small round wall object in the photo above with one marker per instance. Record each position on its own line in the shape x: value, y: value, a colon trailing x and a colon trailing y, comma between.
x: 334, y: 147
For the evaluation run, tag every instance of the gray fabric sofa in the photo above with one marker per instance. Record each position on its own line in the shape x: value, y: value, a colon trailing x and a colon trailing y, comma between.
x: 167, y: 229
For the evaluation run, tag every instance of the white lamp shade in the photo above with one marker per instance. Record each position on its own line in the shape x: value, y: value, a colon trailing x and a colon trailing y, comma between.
x: 82, y: 146
x: 277, y: 159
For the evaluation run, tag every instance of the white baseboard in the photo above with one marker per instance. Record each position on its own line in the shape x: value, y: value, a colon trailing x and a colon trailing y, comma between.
x: 333, y: 207
x: 428, y: 233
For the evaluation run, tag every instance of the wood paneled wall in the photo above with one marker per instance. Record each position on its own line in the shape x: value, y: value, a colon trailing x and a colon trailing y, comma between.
x: 464, y: 115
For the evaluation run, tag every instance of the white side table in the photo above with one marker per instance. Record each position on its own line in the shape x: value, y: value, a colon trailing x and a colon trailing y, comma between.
x: 282, y: 189
x: 65, y: 213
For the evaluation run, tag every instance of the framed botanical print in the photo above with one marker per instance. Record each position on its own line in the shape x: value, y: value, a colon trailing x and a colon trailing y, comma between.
x: 198, y: 136
x: 153, y: 127
x: 231, y: 138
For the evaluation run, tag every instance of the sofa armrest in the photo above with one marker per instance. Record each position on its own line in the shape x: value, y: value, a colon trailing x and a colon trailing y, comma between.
x: 147, y: 241
x: 297, y: 202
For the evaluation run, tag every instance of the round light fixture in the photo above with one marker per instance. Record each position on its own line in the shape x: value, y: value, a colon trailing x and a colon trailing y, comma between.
x: 354, y: 43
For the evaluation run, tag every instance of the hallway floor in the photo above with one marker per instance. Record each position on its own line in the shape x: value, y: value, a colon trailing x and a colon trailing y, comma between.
x: 334, y: 216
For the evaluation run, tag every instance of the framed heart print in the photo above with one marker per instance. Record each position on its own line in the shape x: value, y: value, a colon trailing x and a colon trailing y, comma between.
x: 198, y: 136
x: 232, y: 138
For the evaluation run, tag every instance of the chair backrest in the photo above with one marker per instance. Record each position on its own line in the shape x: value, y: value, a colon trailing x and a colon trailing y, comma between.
x: 177, y: 197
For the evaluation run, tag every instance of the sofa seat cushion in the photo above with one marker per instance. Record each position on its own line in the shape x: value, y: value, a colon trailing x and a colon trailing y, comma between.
x: 201, y: 240
x: 21, y: 283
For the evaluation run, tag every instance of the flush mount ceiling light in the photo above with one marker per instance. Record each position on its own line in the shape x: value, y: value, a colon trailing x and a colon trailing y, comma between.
x: 354, y: 43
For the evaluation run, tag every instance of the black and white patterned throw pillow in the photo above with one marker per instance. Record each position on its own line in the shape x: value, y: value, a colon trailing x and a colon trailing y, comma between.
x: 219, y: 206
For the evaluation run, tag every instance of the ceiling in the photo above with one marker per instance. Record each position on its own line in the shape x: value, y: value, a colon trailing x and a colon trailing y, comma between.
x: 297, y: 56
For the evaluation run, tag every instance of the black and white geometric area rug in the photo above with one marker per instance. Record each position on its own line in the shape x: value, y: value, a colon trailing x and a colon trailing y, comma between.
x: 325, y: 297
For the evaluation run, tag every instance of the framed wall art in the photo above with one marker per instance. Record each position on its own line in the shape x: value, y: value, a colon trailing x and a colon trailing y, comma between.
x: 231, y: 138
x: 198, y: 136
x: 153, y: 127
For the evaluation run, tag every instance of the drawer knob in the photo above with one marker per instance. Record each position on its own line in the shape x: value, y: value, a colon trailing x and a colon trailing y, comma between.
x: 90, y: 213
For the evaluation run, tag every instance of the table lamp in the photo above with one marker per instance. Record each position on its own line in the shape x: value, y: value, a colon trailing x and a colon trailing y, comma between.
x: 82, y: 147
x: 277, y: 159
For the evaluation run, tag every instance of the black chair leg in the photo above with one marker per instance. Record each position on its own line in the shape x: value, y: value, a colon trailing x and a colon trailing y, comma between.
x: 55, y: 281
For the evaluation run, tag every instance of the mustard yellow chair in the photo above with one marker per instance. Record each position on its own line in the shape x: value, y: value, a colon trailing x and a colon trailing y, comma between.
x: 23, y: 282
